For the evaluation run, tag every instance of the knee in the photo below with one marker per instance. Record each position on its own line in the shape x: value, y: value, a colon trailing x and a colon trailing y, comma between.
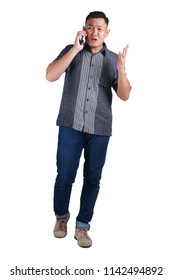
x: 91, y: 184
x: 64, y: 181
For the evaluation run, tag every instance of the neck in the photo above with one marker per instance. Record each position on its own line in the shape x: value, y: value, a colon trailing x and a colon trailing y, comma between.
x: 94, y: 50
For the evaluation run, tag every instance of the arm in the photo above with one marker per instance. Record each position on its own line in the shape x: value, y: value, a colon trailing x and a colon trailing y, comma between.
x: 124, y: 87
x: 58, y: 67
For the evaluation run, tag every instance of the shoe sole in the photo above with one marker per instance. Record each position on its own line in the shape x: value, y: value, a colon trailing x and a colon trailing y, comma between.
x: 82, y: 246
x: 59, y: 236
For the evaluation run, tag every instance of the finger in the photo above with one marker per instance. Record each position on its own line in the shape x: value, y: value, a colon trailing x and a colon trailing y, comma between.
x: 81, y: 33
x: 126, y: 49
x: 124, y: 52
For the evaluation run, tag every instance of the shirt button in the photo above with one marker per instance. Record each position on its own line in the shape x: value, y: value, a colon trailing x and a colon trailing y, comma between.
x: 87, y: 99
x: 89, y: 88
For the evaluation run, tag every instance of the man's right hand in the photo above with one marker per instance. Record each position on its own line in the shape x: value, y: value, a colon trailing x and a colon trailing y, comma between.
x: 77, y: 44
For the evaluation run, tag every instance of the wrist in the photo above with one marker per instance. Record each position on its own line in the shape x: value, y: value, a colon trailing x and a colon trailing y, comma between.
x: 75, y: 50
x: 122, y: 71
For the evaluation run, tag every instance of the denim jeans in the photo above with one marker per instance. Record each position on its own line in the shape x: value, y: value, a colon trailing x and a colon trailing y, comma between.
x: 70, y: 145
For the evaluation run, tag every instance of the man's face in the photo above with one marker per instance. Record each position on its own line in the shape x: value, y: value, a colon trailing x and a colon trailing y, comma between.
x: 96, y: 29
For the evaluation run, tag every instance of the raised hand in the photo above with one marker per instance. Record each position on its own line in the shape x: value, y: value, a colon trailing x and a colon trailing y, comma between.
x: 121, y: 60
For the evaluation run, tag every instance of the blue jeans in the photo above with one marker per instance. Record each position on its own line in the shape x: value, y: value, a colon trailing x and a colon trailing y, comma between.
x: 70, y: 145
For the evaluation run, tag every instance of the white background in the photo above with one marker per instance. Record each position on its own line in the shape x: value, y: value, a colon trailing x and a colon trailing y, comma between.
x: 132, y: 224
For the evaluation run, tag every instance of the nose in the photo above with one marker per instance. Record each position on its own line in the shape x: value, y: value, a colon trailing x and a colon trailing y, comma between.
x: 94, y: 30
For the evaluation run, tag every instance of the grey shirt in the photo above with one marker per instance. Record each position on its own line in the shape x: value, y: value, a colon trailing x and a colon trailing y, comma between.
x: 87, y: 93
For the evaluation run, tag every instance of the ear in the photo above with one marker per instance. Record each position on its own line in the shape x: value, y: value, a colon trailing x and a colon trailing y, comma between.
x: 107, y: 32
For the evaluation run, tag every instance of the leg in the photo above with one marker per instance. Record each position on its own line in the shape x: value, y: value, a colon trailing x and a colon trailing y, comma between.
x: 95, y: 153
x: 70, y: 145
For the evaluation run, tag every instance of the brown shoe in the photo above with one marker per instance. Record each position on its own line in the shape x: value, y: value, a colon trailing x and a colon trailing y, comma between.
x: 83, y: 238
x: 60, y: 229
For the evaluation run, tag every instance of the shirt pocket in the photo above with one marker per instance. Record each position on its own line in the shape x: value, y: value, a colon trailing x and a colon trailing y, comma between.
x: 105, y: 83
x: 106, y: 77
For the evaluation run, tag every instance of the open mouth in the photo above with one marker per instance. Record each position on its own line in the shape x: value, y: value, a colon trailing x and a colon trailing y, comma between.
x: 93, y: 39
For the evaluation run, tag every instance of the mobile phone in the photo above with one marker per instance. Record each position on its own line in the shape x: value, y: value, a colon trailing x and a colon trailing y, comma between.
x: 81, y: 40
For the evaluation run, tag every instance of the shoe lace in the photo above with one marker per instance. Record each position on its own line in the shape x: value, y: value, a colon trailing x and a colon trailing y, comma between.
x: 83, y: 233
x: 61, y: 224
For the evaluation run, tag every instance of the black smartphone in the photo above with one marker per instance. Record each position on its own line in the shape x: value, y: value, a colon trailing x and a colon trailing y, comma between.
x: 81, y: 40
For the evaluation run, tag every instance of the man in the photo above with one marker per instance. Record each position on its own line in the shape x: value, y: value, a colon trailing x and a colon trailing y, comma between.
x: 85, y: 118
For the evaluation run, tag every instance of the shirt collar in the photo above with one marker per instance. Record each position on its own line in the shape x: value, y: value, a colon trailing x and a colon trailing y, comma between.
x: 103, y: 50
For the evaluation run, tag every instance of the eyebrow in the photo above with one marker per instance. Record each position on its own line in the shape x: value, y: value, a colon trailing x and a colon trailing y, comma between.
x: 95, y: 25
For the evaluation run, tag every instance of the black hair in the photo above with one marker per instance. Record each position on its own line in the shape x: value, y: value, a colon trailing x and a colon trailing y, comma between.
x: 97, y: 14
